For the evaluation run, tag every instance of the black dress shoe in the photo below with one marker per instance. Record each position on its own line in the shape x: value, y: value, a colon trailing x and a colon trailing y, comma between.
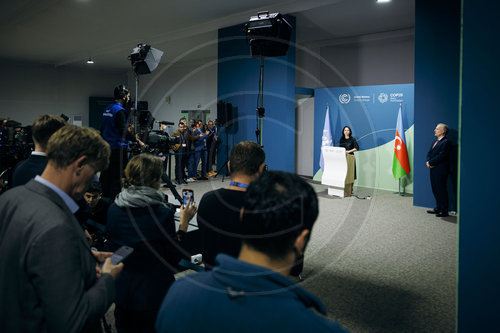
x: 202, y: 178
x: 441, y: 214
x: 433, y: 211
x: 178, y: 182
x: 184, y: 181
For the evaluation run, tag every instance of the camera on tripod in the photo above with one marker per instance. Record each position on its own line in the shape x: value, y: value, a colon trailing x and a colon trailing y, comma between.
x: 156, y: 140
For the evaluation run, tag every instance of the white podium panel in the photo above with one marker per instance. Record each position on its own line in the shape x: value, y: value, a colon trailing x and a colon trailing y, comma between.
x: 335, y: 171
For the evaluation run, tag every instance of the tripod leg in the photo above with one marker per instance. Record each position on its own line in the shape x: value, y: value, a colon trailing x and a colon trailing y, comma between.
x: 171, y: 187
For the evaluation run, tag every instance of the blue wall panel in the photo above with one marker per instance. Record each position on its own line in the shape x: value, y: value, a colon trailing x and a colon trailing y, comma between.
x: 238, y: 83
x: 437, y: 54
x: 479, y: 224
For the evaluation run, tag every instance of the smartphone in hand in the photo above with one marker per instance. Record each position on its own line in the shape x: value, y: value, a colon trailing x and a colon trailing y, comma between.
x: 186, y: 194
x: 120, y: 254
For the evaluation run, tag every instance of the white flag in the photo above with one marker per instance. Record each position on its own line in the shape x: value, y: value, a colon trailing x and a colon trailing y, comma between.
x: 326, y: 138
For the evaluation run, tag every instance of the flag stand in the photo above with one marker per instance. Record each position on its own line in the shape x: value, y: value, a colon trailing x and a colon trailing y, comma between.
x: 399, y: 189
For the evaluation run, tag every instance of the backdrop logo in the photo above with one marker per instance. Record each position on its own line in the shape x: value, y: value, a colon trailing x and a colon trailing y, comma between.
x: 382, y: 98
x: 344, y: 98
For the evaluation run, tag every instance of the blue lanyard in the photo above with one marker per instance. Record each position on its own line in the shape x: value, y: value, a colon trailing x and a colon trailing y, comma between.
x: 238, y: 184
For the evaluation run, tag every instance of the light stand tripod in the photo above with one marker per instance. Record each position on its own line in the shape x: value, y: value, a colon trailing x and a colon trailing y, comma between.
x: 260, y: 108
x: 224, y: 166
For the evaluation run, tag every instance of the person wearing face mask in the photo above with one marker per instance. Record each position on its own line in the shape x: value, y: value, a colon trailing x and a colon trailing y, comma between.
x: 115, y: 132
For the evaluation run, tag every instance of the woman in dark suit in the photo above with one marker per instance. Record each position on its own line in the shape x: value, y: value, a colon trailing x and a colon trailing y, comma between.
x: 350, y: 144
x: 347, y: 141
x: 140, y: 218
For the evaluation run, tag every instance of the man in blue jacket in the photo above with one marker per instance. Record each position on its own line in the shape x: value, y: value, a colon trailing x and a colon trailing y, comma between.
x: 252, y: 293
x: 115, y: 132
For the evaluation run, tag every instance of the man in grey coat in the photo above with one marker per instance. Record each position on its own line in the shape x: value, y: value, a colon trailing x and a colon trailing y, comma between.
x: 50, y: 278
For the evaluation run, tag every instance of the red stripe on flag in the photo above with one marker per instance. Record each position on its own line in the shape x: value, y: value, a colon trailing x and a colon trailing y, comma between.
x: 402, y: 153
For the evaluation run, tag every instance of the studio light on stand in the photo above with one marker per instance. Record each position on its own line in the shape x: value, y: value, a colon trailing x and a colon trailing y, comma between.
x: 268, y: 36
x: 144, y: 60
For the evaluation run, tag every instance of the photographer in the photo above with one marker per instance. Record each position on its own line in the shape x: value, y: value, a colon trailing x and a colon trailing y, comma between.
x: 181, y: 152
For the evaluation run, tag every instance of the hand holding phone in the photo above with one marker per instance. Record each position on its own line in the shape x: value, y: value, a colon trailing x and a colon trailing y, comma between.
x: 188, y: 209
x: 186, y: 195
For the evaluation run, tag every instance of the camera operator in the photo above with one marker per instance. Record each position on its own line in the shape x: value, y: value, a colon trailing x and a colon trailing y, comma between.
x: 115, y: 132
x: 43, y: 127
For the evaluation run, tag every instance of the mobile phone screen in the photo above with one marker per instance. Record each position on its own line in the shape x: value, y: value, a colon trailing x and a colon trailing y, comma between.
x: 120, y: 254
x: 186, y: 194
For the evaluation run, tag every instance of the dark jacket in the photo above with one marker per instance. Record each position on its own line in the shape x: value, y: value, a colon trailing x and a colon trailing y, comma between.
x: 439, y: 156
x: 240, y: 297
x: 29, y: 169
x: 47, y: 271
x: 149, y: 270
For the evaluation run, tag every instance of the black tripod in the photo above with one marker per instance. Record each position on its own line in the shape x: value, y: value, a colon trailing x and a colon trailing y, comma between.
x: 224, y: 166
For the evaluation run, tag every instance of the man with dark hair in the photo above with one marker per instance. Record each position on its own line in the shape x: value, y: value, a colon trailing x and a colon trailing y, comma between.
x: 54, y: 283
x: 181, y: 149
x: 98, y: 208
x: 43, y: 127
x: 438, y: 162
x: 115, y: 131
x: 252, y: 293
x: 219, y: 210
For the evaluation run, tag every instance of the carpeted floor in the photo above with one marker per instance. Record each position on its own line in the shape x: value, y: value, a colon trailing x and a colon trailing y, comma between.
x: 378, y: 264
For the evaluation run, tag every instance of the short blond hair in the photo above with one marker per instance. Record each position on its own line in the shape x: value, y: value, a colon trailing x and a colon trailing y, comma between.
x: 143, y: 170
x: 71, y: 142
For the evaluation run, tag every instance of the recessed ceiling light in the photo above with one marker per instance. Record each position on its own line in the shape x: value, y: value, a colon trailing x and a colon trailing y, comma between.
x: 90, y: 61
x: 382, y: 1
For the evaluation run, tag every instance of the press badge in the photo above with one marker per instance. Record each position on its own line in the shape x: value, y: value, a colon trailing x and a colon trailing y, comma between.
x: 184, y: 145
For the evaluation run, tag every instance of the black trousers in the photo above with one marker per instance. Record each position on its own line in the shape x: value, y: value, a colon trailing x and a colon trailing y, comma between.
x: 180, y: 165
x: 129, y: 321
x: 439, y: 181
x: 111, y: 178
x: 212, y: 153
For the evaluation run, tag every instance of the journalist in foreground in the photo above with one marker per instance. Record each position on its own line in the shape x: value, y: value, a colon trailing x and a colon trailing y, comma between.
x: 49, y: 275
x: 253, y: 293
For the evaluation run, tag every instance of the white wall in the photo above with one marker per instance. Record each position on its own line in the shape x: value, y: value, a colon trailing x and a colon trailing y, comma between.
x: 304, y: 149
x: 28, y: 90
x: 190, y: 86
x: 375, y: 59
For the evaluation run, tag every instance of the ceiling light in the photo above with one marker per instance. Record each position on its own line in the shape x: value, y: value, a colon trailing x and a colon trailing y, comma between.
x: 382, y: 1
x: 90, y: 61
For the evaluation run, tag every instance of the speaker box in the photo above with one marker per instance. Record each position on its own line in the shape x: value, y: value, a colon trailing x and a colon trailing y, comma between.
x: 224, y: 114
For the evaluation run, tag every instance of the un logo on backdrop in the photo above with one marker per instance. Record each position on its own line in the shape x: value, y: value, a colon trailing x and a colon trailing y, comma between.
x: 382, y: 98
x: 344, y: 98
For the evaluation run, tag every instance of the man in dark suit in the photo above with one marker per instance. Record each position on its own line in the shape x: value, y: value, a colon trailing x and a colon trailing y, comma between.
x: 54, y: 283
x: 438, y: 162
x: 43, y: 127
